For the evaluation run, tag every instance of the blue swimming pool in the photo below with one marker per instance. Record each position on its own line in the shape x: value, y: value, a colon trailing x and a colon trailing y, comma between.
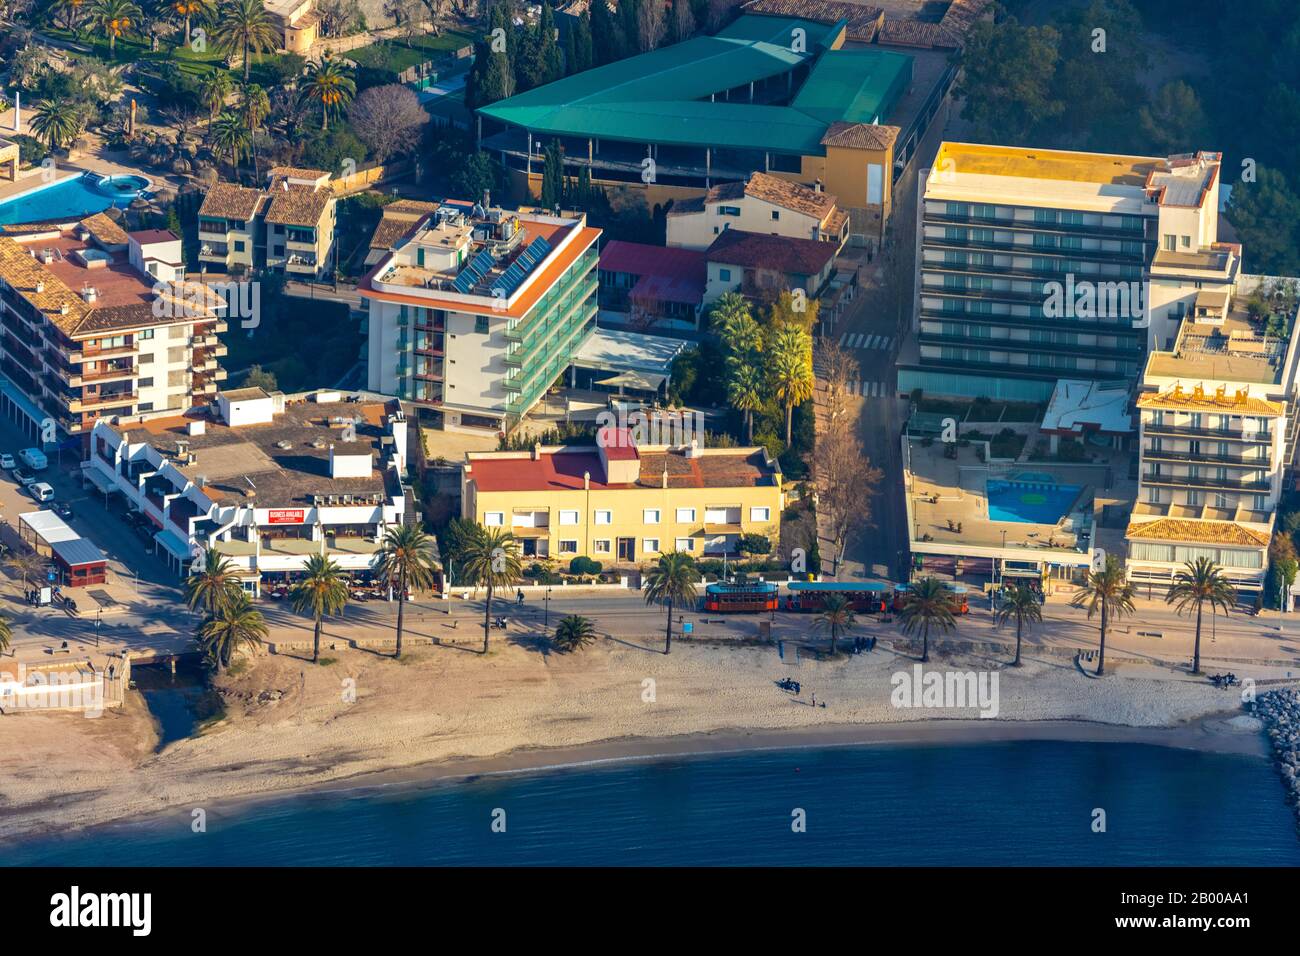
x: 1030, y: 502
x: 71, y: 199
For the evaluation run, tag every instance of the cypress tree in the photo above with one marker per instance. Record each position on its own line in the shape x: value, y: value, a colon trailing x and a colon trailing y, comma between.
x: 582, y: 53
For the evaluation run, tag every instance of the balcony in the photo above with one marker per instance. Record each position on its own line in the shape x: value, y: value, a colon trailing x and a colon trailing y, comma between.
x: 101, y: 400
x: 1031, y: 226
x: 91, y: 352
x: 1245, y: 461
x: 1025, y: 345
x: 1029, y: 249
x: 103, y: 375
x: 1205, y: 481
x: 1221, y: 434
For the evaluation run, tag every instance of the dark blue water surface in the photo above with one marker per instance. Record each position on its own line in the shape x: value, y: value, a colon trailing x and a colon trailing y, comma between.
x: 995, y: 804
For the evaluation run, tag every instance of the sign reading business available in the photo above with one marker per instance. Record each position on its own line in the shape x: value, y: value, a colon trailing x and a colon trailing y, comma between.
x: 286, y: 516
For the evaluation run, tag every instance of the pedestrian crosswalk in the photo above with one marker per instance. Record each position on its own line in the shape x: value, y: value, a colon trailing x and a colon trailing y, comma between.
x: 871, y: 389
x: 865, y: 340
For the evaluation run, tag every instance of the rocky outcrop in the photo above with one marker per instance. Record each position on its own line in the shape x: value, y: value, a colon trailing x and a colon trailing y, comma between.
x: 1280, y: 711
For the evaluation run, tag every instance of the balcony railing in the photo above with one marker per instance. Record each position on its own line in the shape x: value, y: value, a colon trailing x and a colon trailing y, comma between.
x: 1165, y: 454
x: 1262, y: 437
x: 1205, y: 481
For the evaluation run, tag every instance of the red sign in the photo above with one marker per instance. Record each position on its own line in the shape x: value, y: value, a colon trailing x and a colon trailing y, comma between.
x: 286, y: 516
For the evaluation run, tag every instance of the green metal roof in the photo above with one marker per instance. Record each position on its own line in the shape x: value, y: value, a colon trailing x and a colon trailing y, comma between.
x: 663, y: 96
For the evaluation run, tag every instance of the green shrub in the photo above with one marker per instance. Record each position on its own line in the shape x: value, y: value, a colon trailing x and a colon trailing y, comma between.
x: 584, y: 565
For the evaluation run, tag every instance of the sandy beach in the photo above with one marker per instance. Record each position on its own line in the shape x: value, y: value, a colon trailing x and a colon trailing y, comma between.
x: 365, y: 720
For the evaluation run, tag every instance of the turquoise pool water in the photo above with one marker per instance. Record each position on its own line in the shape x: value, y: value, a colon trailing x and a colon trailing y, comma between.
x: 1029, y: 502
x: 72, y: 199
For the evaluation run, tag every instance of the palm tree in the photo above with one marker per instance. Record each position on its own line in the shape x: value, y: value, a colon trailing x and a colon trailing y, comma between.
x: 233, y: 627
x: 488, y: 557
x: 790, y: 361
x: 116, y: 18
x: 745, y: 390
x: 214, y: 585
x: 672, y: 581
x: 322, y: 590
x: 329, y: 82
x: 189, y: 10
x: 57, y: 122
x: 1200, y: 583
x: 406, y: 559
x: 27, y: 563
x: 1018, y: 603
x: 1109, y: 591
x: 836, y: 616
x: 230, y: 136
x: 71, y: 13
x: 243, y: 26
x: 213, y: 90
x: 929, y: 604
x: 574, y: 632
x: 6, y: 634
x: 254, y: 106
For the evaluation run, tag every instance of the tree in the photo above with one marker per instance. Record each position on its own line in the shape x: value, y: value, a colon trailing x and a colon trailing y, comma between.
x: 1173, y: 121
x: 230, y: 629
x: 388, y: 119
x: 57, y: 123
x: 1109, y: 592
x: 552, y: 191
x: 745, y: 392
x: 1265, y: 214
x: 683, y: 21
x: 258, y: 378
x: 1019, y: 603
x: 407, y: 561
x: 216, y: 584
x: 474, y: 176
x: 230, y: 137
x: 28, y: 564
x: 835, y: 616
x: 489, y: 558
x: 321, y: 590
x: 1007, y: 79
x: 116, y: 18
x: 244, y: 26
x: 608, y: 42
x: 574, y: 633
x: 213, y: 90
x: 672, y: 581
x: 6, y: 634
x: 1199, y: 583
x: 71, y: 14
x: 537, y: 60
x: 929, y: 604
x: 254, y: 107
x: 579, y: 54
x: 189, y: 10
x: 845, y: 480
x: 791, y: 372
x: 651, y: 24
x: 329, y: 82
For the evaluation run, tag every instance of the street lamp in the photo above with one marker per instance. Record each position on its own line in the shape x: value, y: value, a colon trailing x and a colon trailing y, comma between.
x: 98, y: 612
x: 546, y: 602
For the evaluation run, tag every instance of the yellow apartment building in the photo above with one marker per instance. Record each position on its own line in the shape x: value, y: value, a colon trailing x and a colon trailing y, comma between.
x: 620, y: 503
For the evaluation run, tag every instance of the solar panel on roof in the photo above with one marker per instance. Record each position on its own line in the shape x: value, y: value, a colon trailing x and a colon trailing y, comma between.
x: 510, y: 279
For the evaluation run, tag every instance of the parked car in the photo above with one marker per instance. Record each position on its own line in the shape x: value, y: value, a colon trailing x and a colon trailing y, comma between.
x: 41, y: 491
x: 22, y: 477
x: 7, y: 461
x: 62, y: 509
x: 34, y: 459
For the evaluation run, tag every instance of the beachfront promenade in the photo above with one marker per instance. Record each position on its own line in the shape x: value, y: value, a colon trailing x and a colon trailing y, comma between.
x: 1264, y: 646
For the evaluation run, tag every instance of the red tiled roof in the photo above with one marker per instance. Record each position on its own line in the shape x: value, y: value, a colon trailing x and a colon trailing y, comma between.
x: 754, y: 250
x: 641, y: 259
x: 560, y: 471
x: 618, y: 443
x: 146, y: 236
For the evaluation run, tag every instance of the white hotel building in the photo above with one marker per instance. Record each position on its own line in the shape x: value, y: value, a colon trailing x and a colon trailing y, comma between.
x: 267, y: 479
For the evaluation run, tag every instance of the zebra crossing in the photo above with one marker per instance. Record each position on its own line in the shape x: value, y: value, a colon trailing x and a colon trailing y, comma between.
x: 865, y: 340
x: 871, y: 389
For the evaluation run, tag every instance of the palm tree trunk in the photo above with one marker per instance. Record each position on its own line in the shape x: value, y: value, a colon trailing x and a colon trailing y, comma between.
x: 401, y: 607
x: 749, y: 426
x: 252, y: 144
x: 187, y: 29
x: 487, y: 618
x: 315, y: 645
x: 1101, y: 652
x: 668, y: 630
x: 247, y: 59
x: 925, y: 643
x: 834, y: 633
x: 789, y: 423
x: 1016, y: 662
x: 1196, y: 653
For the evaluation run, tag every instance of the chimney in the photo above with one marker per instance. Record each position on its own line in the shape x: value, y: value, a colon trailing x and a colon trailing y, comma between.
x: 817, y: 186
x: 487, y: 199
x: 586, y: 481
x: 665, y: 477
x: 693, y: 450
x: 537, y: 452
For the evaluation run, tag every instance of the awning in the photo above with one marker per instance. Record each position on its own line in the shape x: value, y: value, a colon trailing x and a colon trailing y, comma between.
x: 174, y: 544
x: 1020, y: 573
x: 722, y: 528
x: 643, y: 381
x: 99, y: 479
x: 531, y: 532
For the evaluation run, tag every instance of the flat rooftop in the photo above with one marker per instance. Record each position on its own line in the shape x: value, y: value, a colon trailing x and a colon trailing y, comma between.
x: 1061, y: 165
x: 1236, y: 351
x: 287, y: 460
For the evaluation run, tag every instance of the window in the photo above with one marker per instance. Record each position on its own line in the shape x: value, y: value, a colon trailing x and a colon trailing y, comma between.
x: 239, y: 245
x: 1186, y: 241
x: 686, y: 514
x: 568, y: 547
x: 601, y: 546
x: 494, y: 519
x: 650, y: 516
x: 1171, y: 243
x: 145, y: 407
x: 146, y: 382
x: 650, y: 545
x: 684, y: 544
x: 604, y: 517
x: 760, y: 514
x: 728, y: 210
x: 724, y: 275
x: 480, y: 325
x: 568, y: 517
x: 146, y: 334
x: 775, y: 215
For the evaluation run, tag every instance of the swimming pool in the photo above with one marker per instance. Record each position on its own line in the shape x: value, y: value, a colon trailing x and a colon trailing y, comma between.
x: 74, y: 198
x: 1029, y: 502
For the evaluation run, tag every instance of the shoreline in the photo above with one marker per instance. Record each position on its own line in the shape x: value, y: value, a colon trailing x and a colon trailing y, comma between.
x: 1209, y: 734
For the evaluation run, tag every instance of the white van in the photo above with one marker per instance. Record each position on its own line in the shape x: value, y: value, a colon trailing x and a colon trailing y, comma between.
x: 34, y: 459
x: 41, y: 491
